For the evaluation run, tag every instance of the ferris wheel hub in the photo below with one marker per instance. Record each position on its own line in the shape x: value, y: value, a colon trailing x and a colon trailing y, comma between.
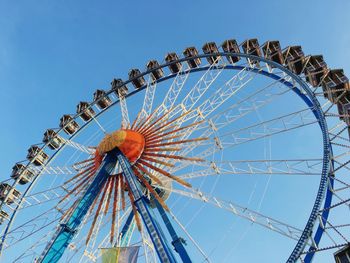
x: 129, y: 142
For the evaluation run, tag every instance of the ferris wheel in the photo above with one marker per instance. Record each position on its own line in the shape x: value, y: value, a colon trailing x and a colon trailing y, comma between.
x: 230, y: 155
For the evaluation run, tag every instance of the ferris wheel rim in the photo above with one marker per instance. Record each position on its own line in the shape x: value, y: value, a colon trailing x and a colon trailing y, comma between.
x: 321, y: 119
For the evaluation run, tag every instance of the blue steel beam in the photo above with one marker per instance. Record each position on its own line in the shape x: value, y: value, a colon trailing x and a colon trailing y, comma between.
x: 177, y: 241
x: 67, y: 230
x: 155, y: 232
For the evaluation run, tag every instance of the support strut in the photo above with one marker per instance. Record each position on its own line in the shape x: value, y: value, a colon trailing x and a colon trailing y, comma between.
x: 157, y: 236
x: 66, y: 231
x: 178, y: 242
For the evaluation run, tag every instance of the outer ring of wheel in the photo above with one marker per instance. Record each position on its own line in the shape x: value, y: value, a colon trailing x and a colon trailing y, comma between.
x: 308, y: 97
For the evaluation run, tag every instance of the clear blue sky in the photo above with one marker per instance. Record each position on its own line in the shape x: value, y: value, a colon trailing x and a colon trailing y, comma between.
x: 56, y: 53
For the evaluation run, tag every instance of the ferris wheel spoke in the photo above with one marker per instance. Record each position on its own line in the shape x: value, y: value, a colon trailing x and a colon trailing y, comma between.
x: 201, y: 251
x: 236, y: 83
x: 208, y: 132
x: 234, y: 113
x: 51, y: 194
x: 53, y: 170
x: 243, y: 212
x: 124, y: 109
x: 220, y: 96
x: 278, y: 125
x: 258, y: 167
x: 149, y: 98
x: 202, y: 85
x: 30, y: 222
x: 251, y: 133
x: 43, y: 197
x: 225, y: 92
x: 295, y: 118
x: 173, y: 92
x: 247, y: 105
x: 35, y: 224
x: 29, y: 228
x: 78, y: 146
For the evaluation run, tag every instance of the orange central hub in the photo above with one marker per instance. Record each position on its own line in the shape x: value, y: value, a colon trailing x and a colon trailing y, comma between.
x: 129, y: 142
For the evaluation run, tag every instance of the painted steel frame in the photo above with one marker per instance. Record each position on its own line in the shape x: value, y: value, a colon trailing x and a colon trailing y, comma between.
x: 177, y: 242
x: 66, y: 231
x: 309, y: 98
x: 155, y: 232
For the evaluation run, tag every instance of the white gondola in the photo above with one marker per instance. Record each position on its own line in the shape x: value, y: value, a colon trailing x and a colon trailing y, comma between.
x: 101, y: 99
x: 52, y: 139
x: 24, y: 174
x: 85, y: 111
x: 251, y: 46
x: 191, y: 52
x: 118, y: 87
x: 136, y: 80
x: 342, y: 255
x: 174, y: 67
x: 334, y: 84
x: 231, y: 46
x: 315, y: 69
x: 68, y: 124
x: 156, y: 73
x: 293, y: 58
x: 272, y: 51
x: 11, y: 193
x: 37, y: 156
x: 3, y: 216
x: 211, y: 48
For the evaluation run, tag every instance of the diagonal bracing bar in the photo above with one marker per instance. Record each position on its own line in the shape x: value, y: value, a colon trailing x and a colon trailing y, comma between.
x: 178, y: 242
x: 164, y: 252
x: 66, y: 231
x: 243, y: 212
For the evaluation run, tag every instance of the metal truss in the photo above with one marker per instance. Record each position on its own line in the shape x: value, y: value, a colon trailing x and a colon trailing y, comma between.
x: 235, y: 112
x: 268, y: 128
x: 251, y: 133
x: 124, y: 110
x: 149, y: 97
x: 222, y: 94
x: 338, y: 137
x: 53, y: 169
x: 78, y: 146
x: 148, y: 100
x: 278, y: 167
x: 243, y: 212
x: 173, y: 92
x: 229, y: 89
x: 198, y: 90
